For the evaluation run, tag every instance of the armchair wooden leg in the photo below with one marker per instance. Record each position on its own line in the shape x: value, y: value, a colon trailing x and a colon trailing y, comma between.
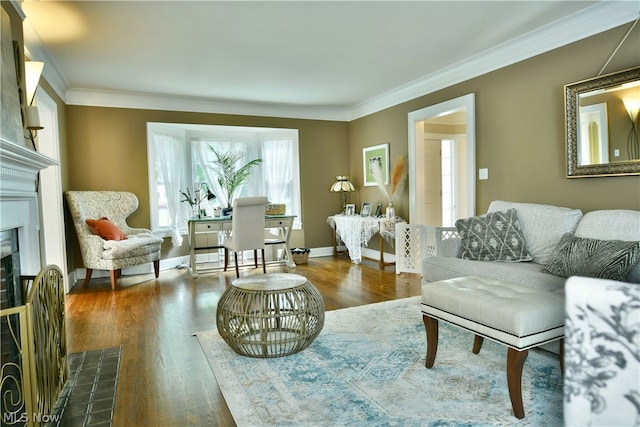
x: 255, y: 257
x: 156, y: 268
x: 87, y: 277
x: 114, y: 278
x: 264, y: 265
x: 226, y: 258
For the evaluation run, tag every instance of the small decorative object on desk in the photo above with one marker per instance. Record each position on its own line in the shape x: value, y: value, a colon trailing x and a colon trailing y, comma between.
x: 398, y: 178
x: 300, y: 255
x: 391, y: 211
x: 194, y: 199
x: 275, y: 209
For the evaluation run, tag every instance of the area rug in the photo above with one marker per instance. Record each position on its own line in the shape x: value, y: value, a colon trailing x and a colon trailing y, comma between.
x: 367, y: 368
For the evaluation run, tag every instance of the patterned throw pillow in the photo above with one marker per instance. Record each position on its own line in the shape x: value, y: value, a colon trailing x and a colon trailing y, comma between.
x: 603, y: 259
x: 495, y: 236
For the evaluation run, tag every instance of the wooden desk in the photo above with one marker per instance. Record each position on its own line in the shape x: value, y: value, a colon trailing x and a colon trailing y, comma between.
x: 356, y: 231
x: 204, y: 236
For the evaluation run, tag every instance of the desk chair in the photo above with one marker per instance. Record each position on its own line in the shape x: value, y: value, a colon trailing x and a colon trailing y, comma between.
x: 247, y: 230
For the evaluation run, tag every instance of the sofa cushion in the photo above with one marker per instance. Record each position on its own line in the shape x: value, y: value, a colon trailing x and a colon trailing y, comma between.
x: 613, y: 224
x: 542, y: 225
x: 106, y: 229
x: 603, y: 259
x: 529, y: 274
x: 495, y: 236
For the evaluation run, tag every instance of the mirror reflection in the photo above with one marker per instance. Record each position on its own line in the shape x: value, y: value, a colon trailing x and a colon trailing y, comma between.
x: 602, y: 125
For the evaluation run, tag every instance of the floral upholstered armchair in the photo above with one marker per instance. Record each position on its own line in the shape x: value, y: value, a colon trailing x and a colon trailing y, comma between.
x: 602, y: 353
x: 106, y: 240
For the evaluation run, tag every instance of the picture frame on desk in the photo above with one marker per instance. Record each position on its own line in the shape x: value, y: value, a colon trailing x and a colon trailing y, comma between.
x: 366, y: 209
x: 350, y: 209
x: 378, y: 210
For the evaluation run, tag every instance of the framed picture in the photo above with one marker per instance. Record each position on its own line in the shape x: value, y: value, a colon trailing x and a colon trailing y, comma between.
x: 350, y: 209
x: 372, y: 158
x: 378, y: 210
x: 366, y: 209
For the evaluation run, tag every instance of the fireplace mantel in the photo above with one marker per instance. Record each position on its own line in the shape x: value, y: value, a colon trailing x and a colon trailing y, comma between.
x: 19, y: 167
x: 19, y: 206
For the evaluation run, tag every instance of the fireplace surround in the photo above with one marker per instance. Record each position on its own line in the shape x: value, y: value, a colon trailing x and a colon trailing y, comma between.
x: 19, y: 204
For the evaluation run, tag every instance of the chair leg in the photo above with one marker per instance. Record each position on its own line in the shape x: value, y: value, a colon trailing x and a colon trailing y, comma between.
x: 114, y: 278
x: 226, y: 258
x: 235, y: 257
x: 515, y: 362
x: 264, y: 265
x: 87, y: 277
x: 477, y: 344
x: 561, y: 354
x: 431, y: 327
x: 255, y: 258
x: 156, y: 268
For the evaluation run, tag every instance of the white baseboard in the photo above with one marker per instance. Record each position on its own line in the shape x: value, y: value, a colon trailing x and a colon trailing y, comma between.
x: 183, y: 262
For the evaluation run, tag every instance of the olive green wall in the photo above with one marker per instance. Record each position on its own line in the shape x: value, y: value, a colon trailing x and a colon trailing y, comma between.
x: 519, y: 129
x: 107, y: 150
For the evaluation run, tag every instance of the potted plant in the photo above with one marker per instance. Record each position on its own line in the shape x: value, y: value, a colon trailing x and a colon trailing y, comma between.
x: 231, y: 177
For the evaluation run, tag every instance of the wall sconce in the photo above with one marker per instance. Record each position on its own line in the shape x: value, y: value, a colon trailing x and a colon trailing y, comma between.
x: 344, y: 186
x: 633, y: 147
x: 33, y: 71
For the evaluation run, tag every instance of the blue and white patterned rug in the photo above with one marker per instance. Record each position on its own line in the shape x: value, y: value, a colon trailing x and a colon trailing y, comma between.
x: 367, y: 368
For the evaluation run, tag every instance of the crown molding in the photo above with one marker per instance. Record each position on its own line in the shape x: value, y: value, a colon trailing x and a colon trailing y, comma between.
x: 601, y: 17
x: 598, y: 18
x: 201, y: 105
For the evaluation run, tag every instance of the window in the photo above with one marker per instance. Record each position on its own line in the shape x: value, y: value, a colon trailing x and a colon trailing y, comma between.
x: 180, y: 157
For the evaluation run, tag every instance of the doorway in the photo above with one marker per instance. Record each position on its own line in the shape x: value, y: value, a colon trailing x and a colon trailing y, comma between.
x: 442, y: 162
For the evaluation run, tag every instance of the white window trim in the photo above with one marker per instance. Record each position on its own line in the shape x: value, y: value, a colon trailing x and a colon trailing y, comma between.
x: 200, y: 131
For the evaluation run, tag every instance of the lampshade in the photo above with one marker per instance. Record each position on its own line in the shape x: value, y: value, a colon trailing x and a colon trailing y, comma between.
x: 342, y: 184
x: 33, y: 118
x: 632, y: 106
x: 32, y: 71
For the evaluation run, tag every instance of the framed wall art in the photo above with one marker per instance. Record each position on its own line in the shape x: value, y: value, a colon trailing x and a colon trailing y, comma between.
x: 375, y: 161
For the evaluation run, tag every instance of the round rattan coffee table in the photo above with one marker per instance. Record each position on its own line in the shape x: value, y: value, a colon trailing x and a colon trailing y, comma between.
x: 270, y: 315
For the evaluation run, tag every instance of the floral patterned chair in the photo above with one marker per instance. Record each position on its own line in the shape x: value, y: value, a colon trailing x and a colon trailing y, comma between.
x: 602, y: 353
x: 103, y: 253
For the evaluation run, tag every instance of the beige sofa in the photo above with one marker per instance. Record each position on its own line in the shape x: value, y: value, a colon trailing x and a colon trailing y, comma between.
x: 543, y: 227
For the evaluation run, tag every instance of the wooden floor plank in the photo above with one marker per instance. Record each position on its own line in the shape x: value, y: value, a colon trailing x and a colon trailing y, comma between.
x: 165, y: 379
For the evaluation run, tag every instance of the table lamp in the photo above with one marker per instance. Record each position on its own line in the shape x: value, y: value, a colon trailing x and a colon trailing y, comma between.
x: 343, y: 185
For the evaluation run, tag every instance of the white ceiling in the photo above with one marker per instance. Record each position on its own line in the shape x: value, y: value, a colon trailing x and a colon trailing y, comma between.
x: 324, y: 59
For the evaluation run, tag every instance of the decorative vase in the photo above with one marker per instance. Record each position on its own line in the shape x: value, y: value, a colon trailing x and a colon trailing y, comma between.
x: 195, y: 211
x: 391, y: 211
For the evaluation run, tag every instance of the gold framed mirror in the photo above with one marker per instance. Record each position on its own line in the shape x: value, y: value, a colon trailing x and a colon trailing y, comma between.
x: 602, y: 129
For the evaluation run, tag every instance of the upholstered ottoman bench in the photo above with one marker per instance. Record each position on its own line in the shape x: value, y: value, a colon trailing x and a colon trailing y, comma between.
x: 514, y: 315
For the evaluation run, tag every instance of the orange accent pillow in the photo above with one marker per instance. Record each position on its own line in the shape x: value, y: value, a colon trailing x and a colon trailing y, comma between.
x: 106, y: 229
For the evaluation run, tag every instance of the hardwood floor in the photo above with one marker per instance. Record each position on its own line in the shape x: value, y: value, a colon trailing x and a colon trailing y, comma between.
x: 164, y: 377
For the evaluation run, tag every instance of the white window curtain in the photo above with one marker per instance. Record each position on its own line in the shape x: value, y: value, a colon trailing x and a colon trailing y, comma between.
x: 169, y: 151
x: 277, y: 153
